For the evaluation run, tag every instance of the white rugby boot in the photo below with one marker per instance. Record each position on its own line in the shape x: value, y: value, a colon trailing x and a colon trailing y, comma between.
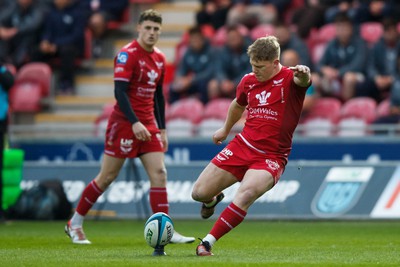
x: 76, y: 234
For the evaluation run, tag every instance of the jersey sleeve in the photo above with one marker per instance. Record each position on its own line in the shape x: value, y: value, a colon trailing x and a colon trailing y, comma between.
x: 241, y: 97
x: 124, y: 66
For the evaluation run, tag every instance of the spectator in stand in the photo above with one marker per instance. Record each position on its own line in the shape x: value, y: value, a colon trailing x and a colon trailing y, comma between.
x: 195, y: 70
x: 309, y: 16
x: 20, y: 23
x: 290, y: 40
x: 394, y: 111
x: 6, y: 82
x: 253, y: 12
x: 376, y: 10
x: 63, y: 38
x: 348, y: 7
x: 291, y: 58
x: 343, y: 63
x: 213, y: 13
x: 232, y: 64
x: 382, y: 64
x: 99, y: 13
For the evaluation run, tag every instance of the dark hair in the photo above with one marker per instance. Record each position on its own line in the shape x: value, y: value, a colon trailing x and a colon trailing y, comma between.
x: 151, y: 15
x: 342, y: 17
x: 388, y: 23
x: 195, y: 30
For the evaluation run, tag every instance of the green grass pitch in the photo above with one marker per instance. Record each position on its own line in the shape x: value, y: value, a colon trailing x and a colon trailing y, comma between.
x: 253, y: 243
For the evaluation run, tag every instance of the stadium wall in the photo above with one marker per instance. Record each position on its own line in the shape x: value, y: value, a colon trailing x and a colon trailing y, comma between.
x: 307, y: 190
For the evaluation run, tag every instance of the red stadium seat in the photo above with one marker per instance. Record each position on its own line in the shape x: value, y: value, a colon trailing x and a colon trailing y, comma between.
x: 190, y: 109
x: 183, y: 116
x: 217, y: 108
x: 32, y: 83
x: 36, y: 72
x: 214, y: 116
x: 371, y: 32
x: 326, y: 33
x: 262, y: 30
x: 360, y: 107
x: 383, y: 109
x: 326, y: 108
x: 25, y: 97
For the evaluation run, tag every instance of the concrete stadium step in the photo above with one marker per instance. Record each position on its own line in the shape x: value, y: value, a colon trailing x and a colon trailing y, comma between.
x: 95, y: 85
x: 78, y: 102
x: 66, y: 118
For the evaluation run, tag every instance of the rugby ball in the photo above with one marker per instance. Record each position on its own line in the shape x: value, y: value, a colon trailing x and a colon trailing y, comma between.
x: 158, y: 230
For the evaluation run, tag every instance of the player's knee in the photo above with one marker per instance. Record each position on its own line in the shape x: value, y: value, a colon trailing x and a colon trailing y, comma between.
x: 197, y: 194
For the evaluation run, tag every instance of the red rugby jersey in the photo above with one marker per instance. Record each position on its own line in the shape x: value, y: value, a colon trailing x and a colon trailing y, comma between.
x: 144, y: 71
x: 274, y: 109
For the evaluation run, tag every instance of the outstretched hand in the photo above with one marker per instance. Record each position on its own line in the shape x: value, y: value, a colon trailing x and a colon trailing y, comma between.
x: 301, y: 74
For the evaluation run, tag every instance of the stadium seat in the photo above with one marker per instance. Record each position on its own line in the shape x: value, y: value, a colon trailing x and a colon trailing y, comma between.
x: 25, y: 97
x: 352, y: 127
x: 318, y: 127
x: 317, y: 51
x: 32, y: 83
x: 262, y: 30
x: 371, y: 32
x: 363, y: 108
x: 383, y: 109
x: 220, y: 36
x: 356, y: 114
x: 217, y: 108
x: 183, y: 116
x: 326, y: 33
x: 325, y: 108
x: 190, y: 109
x: 214, y: 116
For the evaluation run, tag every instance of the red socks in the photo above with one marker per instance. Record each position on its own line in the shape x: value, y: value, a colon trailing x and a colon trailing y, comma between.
x: 159, y: 199
x: 88, y: 198
x: 231, y: 217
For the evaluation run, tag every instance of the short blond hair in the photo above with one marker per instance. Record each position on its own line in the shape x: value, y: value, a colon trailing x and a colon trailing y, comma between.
x: 264, y: 49
x: 151, y: 15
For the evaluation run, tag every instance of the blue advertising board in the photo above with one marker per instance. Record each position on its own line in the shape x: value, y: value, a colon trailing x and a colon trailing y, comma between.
x: 184, y: 152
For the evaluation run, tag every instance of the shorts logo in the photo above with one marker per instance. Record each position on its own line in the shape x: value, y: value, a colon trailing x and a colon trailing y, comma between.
x: 122, y: 58
x: 224, y: 154
x: 341, y: 190
x: 272, y: 164
x: 126, y: 145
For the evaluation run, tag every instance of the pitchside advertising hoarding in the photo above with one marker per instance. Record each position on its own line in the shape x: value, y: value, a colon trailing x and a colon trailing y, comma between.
x: 307, y: 190
x: 185, y: 152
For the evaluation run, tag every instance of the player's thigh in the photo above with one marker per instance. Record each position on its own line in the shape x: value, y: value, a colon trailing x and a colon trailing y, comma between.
x: 254, y: 184
x: 153, y: 163
x: 110, y: 168
x: 212, y: 181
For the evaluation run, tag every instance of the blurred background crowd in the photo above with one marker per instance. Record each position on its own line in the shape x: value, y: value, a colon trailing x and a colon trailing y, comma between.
x: 352, y: 48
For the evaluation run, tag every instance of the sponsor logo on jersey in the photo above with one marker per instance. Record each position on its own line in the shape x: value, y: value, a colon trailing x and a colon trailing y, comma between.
x: 122, y: 58
x: 119, y: 69
x: 277, y: 82
x: 263, y: 98
x: 159, y: 65
x: 224, y: 155
x: 272, y: 164
x: 152, y: 76
x: 126, y: 145
x: 251, y: 86
x: 142, y: 63
x: 341, y: 190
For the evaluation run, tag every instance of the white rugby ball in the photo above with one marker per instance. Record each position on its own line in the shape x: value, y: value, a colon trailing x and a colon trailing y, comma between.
x: 158, y: 230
